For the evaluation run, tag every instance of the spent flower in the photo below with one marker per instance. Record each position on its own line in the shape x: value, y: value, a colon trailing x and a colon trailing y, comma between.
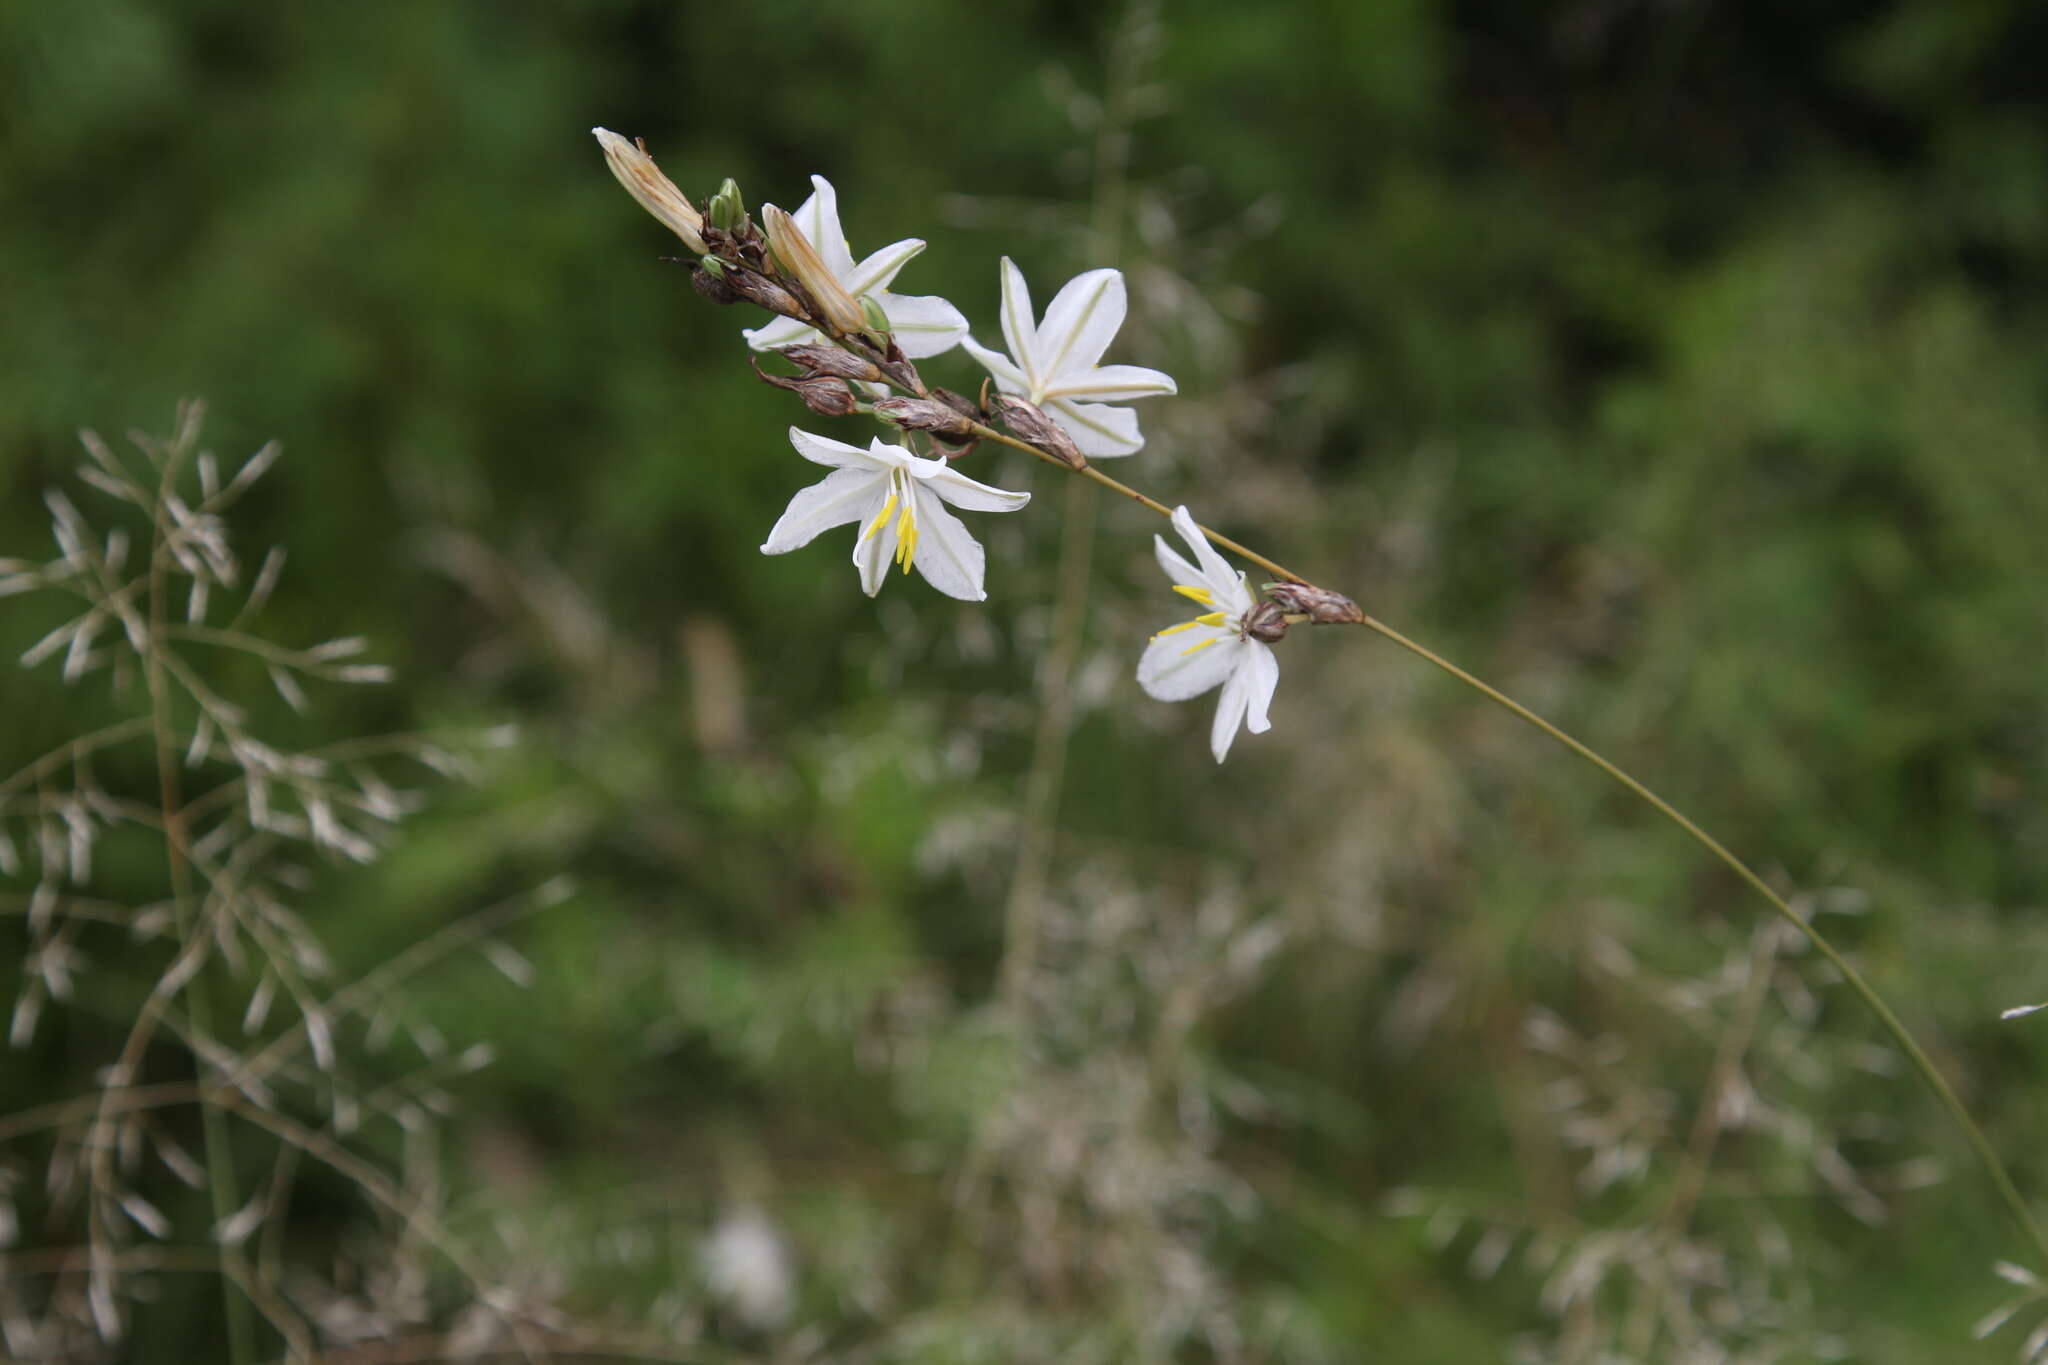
x: 922, y: 325
x: 1053, y: 363
x: 657, y: 194
x: 898, y: 499
x: 1215, y: 648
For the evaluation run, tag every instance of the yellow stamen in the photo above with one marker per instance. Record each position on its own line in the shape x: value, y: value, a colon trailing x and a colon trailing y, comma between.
x: 906, y: 537
x: 1202, y: 595
x: 882, y: 520
x: 1200, y: 644
x: 1214, y: 618
x: 1175, y: 630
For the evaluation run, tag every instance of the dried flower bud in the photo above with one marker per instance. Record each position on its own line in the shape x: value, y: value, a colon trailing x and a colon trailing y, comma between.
x: 726, y: 209
x: 1030, y: 422
x: 1267, y: 621
x: 1320, y: 605
x: 959, y: 403
x: 794, y: 250
x: 923, y: 414
x: 655, y: 192
x: 833, y: 361
x: 758, y: 289
x: 823, y: 395
x: 709, y: 279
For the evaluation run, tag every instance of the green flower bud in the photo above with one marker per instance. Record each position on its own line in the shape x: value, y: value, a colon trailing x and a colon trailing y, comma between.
x: 727, y: 209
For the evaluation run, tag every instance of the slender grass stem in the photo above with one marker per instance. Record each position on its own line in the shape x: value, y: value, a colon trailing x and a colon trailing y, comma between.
x: 2000, y: 1179
x: 1994, y: 1169
x: 220, y: 1171
x: 1922, y: 1063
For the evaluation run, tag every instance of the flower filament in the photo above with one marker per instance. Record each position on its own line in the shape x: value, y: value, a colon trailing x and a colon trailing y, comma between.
x: 900, y: 497
x: 1215, y: 619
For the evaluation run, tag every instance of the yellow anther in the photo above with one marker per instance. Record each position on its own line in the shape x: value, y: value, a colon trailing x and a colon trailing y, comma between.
x: 1214, y: 618
x: 882, y: 520
x: 1175, y: 630
x: 1200, y: 644
x: 906, y: 538
x: 1202, y: 595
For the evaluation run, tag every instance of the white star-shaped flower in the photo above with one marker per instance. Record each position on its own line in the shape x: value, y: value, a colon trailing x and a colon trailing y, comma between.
x: 924, y: 325
x: 1053, y: 363
x: 1187, y: 660
x: 899, y: 500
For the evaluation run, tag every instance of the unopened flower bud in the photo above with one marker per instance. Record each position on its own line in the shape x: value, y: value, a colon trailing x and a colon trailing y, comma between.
x: 655, y: 192
x: 877, y: 320
x: 794, y: 250
x: 1030, y: 422
x: 1320, y: 605
x: 726, y: 209
x: 822, y: 394
x: 923, y: 414
x: 833, y: 361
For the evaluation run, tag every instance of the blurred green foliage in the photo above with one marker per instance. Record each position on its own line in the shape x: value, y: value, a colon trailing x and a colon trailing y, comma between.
x: 1675, y: 366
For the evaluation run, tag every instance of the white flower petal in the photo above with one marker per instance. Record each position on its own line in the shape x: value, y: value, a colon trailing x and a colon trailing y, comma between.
x: 877, y: 270
x: 1229, y: 713
x: 1019, y: 330
x: 1177, y: 666
x: 818, y: 219
x: 1113, y: 384
x: 1080, y: 324
x: 1101, y: 431
x: 782, y: 332
x: 949, y: 483
x: 950, y: 559
x: 1177, y: 570
x: 1008, y: 377
x: 874, y: 554
x: 925, y: 325
x: 839, y: 455
x: 1260, y: 670
x: 1217, y: 575
x: 843, y: 495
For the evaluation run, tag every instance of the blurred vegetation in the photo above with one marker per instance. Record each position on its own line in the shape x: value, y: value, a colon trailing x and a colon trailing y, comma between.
x: 1675, y: 366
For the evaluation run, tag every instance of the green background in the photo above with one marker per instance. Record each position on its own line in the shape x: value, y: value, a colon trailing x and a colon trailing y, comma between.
x: 1676, y: 367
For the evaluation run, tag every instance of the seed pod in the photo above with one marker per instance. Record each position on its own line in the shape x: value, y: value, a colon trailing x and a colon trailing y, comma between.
x: 923, y: 414
x: 1029, y: 421
x: 833, y: 361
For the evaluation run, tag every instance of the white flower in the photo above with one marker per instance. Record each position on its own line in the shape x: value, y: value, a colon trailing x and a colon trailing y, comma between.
x: 899, y: 500
x: 1053, y: 363
x: 923, y: 325
x: 1188, y: 659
